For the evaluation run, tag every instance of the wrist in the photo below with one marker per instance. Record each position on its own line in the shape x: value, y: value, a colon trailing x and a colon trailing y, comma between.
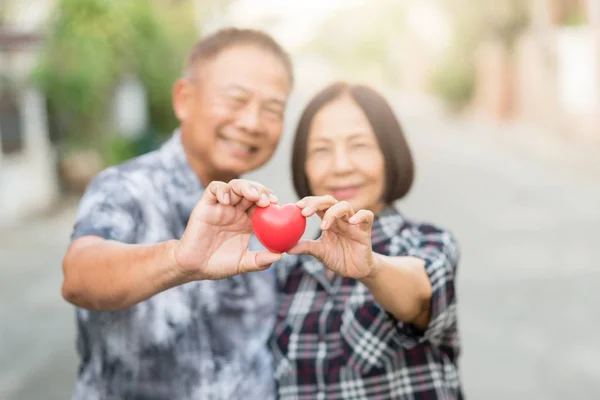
x: 178, y: 273
x: 376, y: 266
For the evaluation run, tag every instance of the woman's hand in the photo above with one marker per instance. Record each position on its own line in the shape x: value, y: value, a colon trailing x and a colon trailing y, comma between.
x: 345, y: 245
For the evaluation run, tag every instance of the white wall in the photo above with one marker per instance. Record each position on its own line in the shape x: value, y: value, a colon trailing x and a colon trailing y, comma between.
x: 28, y: 180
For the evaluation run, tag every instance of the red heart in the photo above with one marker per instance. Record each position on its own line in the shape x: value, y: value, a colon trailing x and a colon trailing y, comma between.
x: 278, y: 228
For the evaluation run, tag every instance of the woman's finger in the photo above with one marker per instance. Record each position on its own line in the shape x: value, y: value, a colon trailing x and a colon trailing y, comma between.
x: 315, y: 204
x: 340, y: 211
x: 364, y: 218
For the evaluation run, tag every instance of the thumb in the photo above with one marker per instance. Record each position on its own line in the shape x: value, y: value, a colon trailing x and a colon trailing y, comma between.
x: 257, y: 261
x: 312, y: 247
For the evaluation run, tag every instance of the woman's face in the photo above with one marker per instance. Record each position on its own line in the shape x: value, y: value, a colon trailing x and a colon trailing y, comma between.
x: 343, y: 156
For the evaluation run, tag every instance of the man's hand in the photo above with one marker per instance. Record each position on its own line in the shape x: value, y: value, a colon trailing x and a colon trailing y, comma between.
x: 215, y: 242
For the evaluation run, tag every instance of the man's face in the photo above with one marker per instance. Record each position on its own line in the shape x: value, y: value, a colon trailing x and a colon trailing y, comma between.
x: 231, y: 111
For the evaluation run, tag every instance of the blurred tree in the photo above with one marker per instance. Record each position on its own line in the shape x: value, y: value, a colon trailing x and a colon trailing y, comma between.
x: 499, y: 21
x: 503, y: 20
x: 91, y: 44
x: 359, y: 40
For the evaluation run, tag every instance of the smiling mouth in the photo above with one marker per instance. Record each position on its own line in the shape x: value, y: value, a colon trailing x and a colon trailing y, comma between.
x: 236, y: 147
x: 345, y: 193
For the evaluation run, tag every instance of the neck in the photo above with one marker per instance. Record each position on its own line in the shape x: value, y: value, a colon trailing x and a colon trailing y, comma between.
x: 206, y: 173
x: 378, y: 208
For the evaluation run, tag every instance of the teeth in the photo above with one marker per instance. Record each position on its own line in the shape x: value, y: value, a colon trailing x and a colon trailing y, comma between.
x: 239, y: 145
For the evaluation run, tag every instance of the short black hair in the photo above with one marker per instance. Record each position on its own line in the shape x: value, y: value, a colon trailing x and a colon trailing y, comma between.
x: 210, y: 46
x: 399, y: 165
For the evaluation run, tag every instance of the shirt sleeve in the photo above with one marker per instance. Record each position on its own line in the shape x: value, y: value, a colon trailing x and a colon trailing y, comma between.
x: 108, y: 209
x: 375, y: 331
x: 439, y: 250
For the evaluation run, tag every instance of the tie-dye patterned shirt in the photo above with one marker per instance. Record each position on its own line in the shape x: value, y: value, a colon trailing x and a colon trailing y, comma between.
x: 201, y: 340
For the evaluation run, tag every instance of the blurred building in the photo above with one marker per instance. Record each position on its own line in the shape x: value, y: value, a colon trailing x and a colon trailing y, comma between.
x: 563, y: 47
x: 28, y: 173
x: 552, y: 75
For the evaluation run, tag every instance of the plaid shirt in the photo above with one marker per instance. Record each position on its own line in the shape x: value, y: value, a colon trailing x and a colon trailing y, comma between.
x: 333, y: 341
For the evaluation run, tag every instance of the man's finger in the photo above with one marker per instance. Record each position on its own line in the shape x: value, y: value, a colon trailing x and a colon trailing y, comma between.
x: 235, y: 198
x: 310, y: 247
x: 215, y: 191
x: 251, y: 192
x: 253, y: 261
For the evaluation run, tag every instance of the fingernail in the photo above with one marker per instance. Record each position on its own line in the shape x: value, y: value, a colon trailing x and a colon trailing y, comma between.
x: 273, y: 197
x: 226, y: 198
x: 264, y: 198
x: 301, y: 203
x: 352, y: 220
x: 324, y: 224
x: 253, y: 191
x: 306, y: 211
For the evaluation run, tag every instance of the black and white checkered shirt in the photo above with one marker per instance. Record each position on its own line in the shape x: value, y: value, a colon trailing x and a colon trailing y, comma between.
x: 202, y: 340
x: 333, y: 341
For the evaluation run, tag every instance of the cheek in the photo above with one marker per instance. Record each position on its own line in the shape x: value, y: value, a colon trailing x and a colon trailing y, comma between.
x: 379, y: 174
x: 372, y: 168
x: 272, y: 135
x: 316, y: 179
x: 217, y: 116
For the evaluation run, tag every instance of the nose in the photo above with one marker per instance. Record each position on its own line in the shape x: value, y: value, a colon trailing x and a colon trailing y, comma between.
x: 249, y: 118
x: 341, y: 161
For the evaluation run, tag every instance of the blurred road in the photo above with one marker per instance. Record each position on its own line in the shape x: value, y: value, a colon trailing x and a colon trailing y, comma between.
x: 528, y: 281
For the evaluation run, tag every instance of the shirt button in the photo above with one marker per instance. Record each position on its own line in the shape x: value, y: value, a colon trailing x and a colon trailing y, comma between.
x: 321, y: 350
x: 320, y: 396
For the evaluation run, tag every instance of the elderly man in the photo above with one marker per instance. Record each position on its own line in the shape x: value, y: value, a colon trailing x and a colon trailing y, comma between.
x: 171, y: 301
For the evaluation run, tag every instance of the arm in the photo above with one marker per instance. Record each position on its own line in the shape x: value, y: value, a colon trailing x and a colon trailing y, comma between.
x: 105, y: 274
x: 417, y: 289
x: 104, y: 269
x: 432, y: 256
x: 401, y: 286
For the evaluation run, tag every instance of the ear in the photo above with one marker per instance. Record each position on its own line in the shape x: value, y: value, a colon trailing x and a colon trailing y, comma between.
x: 182, y: 99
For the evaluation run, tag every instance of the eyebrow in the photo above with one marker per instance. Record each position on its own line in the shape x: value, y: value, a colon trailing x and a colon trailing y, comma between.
x: 350, y: 137
x: 237, y: 87
x: 358, y: 135
x: 246, y: 91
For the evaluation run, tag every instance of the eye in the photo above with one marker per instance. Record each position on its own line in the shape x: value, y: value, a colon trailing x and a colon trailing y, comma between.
x: 360, y: 145
x: 236, y: 101
x: 319, y: 150
x: 274, y: 112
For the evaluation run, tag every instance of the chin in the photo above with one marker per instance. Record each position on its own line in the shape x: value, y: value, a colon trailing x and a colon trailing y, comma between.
x: 237, y: 168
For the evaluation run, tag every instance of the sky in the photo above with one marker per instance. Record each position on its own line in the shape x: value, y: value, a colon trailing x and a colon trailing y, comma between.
x: 298, y: 19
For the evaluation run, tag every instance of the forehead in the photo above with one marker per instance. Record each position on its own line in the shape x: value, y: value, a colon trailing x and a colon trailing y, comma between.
x: 340, y: 117
x: 248, y: 67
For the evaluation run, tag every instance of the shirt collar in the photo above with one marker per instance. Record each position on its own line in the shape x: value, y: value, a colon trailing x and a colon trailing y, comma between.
x: 386, y: 225
x: 186, y: 184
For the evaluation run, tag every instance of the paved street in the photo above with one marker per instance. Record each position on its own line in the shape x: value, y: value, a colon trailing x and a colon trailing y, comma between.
x: 529, y: 231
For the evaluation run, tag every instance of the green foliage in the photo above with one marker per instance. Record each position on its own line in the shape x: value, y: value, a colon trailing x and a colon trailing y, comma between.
x: 122, y: 148
x: 90, y: 45
x: 360, y: 38
x: 475, y: 22
x: 501, y: 20
x: 575, y: 19
x: 454, y: 81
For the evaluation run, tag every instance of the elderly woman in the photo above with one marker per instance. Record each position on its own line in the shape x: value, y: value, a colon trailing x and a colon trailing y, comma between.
x: 368, y: 310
